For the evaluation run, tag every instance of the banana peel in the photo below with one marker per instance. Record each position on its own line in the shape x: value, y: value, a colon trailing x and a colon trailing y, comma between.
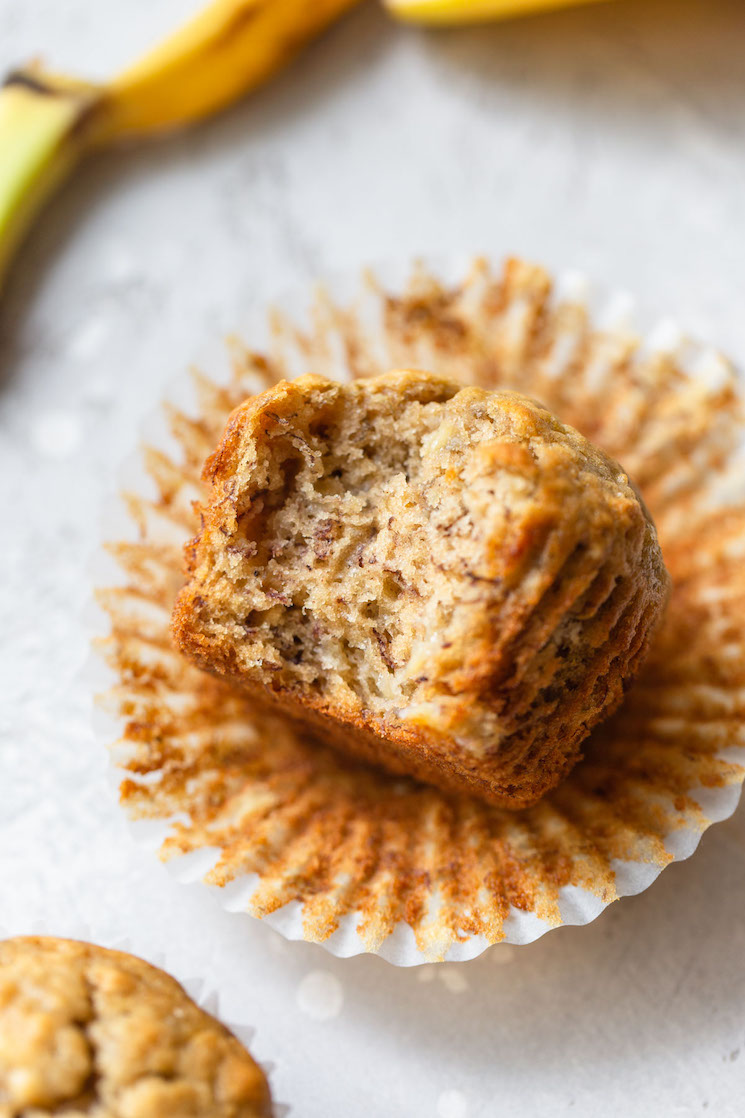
x: 48, y: 122
x: 41, y: 139
x: 451, y: 12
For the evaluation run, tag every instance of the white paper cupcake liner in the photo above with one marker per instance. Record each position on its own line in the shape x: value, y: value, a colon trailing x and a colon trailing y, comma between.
x: 328, y: 851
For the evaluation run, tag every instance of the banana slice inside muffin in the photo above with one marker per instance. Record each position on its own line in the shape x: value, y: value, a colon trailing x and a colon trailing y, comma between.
x: 443, y: 580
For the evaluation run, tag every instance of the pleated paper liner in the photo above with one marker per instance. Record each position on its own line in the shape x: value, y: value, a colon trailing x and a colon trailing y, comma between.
x: 337, y: 853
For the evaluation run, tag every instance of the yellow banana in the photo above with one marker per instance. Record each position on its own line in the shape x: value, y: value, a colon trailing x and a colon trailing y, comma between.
x: 48, y: 122
x: 469, y: 11
x: 41, y: 138
x: 231, y: 47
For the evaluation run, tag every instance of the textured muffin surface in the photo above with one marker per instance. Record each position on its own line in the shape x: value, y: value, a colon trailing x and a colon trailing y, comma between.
x: 87, y: 1031
x: 444, y: 580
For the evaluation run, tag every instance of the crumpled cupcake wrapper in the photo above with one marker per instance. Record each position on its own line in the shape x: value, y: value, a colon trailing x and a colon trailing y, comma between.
x: 331, y: 851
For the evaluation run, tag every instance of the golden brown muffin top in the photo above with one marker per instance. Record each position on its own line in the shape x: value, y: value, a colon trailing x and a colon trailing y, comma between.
x: 88, y: 1031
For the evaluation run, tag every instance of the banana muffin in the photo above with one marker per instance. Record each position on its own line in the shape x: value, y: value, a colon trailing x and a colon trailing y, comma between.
x: 446, y: 581
x: 86, y: 1031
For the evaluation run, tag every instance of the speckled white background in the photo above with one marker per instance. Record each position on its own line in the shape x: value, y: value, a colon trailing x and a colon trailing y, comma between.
x: 611, y: 139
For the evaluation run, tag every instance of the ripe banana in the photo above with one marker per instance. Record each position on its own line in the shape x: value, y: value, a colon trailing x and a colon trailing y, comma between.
x: 48, y: 122
x: 469, y: 11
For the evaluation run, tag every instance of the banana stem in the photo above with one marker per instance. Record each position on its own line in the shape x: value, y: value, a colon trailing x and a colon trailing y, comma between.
x: 47, y: 122
x: 42, y: 135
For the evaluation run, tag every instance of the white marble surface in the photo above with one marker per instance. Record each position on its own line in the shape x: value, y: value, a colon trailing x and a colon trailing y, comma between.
x: 609, y: 139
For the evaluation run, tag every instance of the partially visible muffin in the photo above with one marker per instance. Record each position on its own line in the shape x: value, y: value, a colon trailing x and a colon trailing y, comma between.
x: 444, y: 580
x: 87, y: 1031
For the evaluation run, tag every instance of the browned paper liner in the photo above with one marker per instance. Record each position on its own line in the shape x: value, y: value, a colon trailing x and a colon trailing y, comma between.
x: 361, y: 861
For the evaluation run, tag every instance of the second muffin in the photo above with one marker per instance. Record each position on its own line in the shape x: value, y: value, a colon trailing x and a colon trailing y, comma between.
x: 85, y: 1030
